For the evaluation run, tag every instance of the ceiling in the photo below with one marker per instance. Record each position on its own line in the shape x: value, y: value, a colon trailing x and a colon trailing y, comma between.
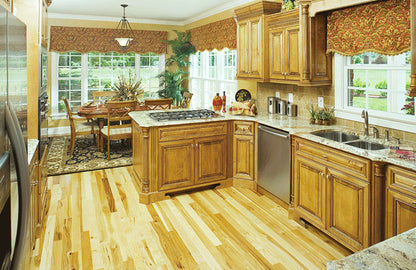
x: 174, y: 12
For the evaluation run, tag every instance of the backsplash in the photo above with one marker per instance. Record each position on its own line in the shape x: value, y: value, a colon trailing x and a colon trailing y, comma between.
x: 304, y: 96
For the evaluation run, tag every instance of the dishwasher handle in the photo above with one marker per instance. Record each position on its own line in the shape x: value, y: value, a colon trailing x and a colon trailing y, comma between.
x: 286, y: 136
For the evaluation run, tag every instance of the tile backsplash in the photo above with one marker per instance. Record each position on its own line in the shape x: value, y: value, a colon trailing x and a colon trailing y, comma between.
x: 304, y: 96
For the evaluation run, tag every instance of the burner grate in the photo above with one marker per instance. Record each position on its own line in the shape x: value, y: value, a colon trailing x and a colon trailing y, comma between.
x: 182, y: 115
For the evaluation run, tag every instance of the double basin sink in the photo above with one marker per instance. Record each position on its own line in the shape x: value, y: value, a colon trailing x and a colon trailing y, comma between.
x: 349, y: 139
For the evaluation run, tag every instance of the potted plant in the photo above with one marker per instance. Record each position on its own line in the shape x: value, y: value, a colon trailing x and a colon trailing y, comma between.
x: 127, y: 88
x: 327, y: 116
x: 312, y: 113
x: 172, y: 79
x: 319, y: 117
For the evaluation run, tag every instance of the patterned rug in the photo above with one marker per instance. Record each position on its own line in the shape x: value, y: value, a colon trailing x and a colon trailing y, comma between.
x: 86, y: 156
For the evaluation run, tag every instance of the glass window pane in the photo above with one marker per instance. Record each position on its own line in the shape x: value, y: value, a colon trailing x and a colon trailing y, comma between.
x: 75, y: 84
x: 63, y: 85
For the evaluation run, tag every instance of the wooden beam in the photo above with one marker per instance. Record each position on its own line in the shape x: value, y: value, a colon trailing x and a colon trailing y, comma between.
x: 325, y: 5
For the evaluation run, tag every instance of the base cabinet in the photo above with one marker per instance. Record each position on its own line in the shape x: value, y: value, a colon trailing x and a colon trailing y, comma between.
x: 330, y: 194
x: 400, y: 200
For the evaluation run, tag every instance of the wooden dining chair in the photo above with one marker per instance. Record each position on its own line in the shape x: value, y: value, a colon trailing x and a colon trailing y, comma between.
x: 118, y: 124
x: 101, y: 95
x: 79, y: 128
x: 158, y: 104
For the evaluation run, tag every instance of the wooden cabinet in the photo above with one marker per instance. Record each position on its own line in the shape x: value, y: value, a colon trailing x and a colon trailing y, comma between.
x: 252, y: 54
x: 243, y: 150
x: 43, y: 184
x: 332, y: 192
x: 400, y: 200
x: 297, y: 48
x: 167, y: 159
x: 34, y: 197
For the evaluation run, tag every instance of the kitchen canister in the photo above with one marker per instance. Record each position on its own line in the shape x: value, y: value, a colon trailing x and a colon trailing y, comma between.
x: 292, y: 109
x: 272, y: 104
x: 282, y: 107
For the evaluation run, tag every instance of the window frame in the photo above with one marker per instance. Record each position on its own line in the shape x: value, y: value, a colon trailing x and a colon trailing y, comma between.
x: 201, y: 75
x: 55, y: 114
x: 379, y: 118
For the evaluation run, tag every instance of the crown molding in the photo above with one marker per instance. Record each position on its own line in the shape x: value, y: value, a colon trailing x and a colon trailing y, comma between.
x: 111, y: 19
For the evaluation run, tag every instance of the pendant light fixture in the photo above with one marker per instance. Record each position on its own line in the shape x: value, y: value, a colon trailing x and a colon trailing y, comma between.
x: 123, y: 35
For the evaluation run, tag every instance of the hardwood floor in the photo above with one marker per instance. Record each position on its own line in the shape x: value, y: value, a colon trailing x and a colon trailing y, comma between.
x: 95, y: 222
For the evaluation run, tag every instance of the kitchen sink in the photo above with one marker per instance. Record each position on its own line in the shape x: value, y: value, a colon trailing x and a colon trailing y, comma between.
x: 338, y: 136
x: 367, y: 145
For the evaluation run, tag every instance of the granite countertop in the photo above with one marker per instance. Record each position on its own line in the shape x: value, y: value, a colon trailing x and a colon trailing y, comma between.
x: 298, y: 126
x: 398, y: 252
x: 32, y: 145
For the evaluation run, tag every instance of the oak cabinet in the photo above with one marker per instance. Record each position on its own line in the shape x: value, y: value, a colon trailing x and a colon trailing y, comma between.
x: 252, y: 54
x: 173, y: 158
x: 297, y: 48
x: 43, y: 184
x: 244, y: 135
x: 400, y: 200
x: 332, y: 192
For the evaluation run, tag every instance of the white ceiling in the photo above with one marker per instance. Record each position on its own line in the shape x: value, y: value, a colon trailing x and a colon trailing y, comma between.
x: 175, y: 12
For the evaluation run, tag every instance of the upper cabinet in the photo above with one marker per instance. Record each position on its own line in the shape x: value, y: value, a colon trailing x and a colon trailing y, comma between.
x: 282, y: 47
x: 252, y: 53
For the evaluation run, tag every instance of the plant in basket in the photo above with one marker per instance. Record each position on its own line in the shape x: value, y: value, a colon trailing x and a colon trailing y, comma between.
x: 127, y: 88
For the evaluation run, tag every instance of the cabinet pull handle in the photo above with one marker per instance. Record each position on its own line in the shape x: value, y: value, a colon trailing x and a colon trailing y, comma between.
x: 322, y: 174
x: 324, y: 156
x: 327, y: 176
x: 414, y: 186
x: 196, y: 145
x: 34, y: 183
x: 414, y: 202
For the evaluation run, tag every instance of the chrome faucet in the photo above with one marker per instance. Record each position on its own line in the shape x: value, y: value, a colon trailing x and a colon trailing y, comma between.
x: 375, y: 133
x: 364, y: 114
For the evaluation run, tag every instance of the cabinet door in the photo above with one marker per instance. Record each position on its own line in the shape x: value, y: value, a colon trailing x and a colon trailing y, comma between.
x: 309, y: 190
x: 276, y: 45
x: 43, y: 184
x: 348, y: 209
x: 211, y: 159
x: 242, y: 49
x: 292, y: 70
x: 401, y: 213
x: 175, y: 164
x: 256, y: 48
x: 243, y: 157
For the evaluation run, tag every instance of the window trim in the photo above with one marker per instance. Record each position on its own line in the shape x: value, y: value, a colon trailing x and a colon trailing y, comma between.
x: 385, y: 119
x: 55, y: 114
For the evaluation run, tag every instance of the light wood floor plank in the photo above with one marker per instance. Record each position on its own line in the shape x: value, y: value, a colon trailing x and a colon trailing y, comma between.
x: 95, y: 221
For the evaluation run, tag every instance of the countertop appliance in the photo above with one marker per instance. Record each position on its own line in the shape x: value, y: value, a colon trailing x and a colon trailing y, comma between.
x: 282, y: 107
x: 274, y: 161
x: 272, y: 104
x: 14, y: 168
x: 292, y: 109
x: 182, y: 115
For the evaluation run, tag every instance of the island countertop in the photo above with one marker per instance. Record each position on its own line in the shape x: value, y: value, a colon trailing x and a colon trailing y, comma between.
x: 398, y: 252
x: 298, y: 126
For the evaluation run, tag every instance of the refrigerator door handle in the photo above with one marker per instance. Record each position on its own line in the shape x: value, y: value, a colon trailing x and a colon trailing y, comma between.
x: 22, y: 168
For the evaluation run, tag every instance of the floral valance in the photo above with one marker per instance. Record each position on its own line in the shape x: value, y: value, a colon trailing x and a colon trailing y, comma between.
x: 83, y: 40
x: 217, y: 35
x: 381, y: 27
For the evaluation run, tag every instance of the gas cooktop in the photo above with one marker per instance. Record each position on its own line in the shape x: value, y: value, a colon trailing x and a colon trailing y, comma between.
x: 181, y: 115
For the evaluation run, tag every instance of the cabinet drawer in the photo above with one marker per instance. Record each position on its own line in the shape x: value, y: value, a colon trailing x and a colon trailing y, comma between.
x: 348, y: 163
x: 402, y: 179
x: 181, y: 132
x: 242, y: 127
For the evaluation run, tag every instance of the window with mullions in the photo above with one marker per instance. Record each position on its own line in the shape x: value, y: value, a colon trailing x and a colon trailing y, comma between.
x: 69, y: 79
x: 211, y: 73
x: 375, y: 82
x: 77, y: 75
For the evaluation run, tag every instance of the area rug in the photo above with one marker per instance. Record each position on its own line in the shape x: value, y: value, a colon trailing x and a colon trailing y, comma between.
x: 86, y: 156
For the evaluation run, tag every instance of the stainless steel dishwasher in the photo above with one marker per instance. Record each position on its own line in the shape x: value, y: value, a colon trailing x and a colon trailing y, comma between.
x: 274, y: 161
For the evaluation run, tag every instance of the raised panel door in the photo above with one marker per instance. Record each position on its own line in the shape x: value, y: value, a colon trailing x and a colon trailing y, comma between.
x: 276, y: 62
x: 175, y: 164
x: 293, y: 54
x: 256, y: 48
x: 211, y: 159
x: 348, y: 209
x: 401, y: 213
x: 309, y: 190
x: 243, y: 157
x: 242, y: 49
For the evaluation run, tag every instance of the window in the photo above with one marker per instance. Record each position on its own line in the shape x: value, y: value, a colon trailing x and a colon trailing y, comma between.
x: 77, y: 75
x: 211, y: 73
x: 377, y: 83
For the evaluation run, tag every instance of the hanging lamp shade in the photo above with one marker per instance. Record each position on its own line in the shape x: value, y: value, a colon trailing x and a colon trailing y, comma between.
x: 123, y: 35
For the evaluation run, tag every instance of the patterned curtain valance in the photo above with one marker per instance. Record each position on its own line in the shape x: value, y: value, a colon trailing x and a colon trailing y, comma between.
x: 217, y: 35
x: 84, y: 40
x: 381, y: 27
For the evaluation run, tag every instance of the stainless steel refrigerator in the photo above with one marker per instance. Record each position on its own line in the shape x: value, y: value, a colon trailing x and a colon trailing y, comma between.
x: 14, y: 169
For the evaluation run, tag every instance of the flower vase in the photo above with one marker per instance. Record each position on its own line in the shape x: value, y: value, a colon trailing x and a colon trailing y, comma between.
x: 217, y: 103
